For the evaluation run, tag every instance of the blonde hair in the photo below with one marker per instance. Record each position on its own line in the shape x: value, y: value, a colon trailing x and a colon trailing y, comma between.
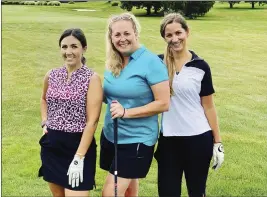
x: 168, y: 54
x: 114, y: 59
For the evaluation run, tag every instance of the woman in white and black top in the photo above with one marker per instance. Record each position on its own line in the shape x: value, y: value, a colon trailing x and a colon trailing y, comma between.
x: 190, y: 132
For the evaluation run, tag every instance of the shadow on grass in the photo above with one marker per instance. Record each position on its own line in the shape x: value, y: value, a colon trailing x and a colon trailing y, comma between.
x: 242, y: 8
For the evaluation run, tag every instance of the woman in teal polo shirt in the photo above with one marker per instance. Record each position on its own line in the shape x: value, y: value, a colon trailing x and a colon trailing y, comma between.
x: 136, y: 87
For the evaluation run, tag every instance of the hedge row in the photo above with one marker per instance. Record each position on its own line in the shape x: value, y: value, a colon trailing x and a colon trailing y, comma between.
x: 49, y: 3
x: 115, y: 3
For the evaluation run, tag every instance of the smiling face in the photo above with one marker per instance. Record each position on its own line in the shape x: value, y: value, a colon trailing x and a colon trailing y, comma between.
x: 71, y: 51
x: 176, y: 36
x: 124, y: 37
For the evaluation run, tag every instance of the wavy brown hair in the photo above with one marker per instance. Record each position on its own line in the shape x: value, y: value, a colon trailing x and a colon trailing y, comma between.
x: 114, y: 59
x: 168, y: 54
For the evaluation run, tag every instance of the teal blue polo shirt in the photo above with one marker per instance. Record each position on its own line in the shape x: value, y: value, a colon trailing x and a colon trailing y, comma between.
x: 132, y: 88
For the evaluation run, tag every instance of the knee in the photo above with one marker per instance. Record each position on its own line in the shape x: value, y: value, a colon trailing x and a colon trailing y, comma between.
x: 56, y: 190
x: 58, y: 193
x: 108, y: 191
x: 132, y: 189
x: 131, y: 192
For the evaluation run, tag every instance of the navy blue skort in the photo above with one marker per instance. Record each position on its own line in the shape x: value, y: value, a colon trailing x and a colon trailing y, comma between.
x: 134, y: 160
x: 57, y: 152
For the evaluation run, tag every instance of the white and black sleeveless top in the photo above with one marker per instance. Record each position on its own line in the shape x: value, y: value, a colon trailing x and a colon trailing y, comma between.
x: 186, y: 115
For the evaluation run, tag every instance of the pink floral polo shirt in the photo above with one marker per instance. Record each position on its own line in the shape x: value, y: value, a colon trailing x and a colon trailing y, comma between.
x: 66, y: 100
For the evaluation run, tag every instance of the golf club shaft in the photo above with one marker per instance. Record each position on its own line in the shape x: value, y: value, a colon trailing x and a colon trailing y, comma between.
x: 116, y: 156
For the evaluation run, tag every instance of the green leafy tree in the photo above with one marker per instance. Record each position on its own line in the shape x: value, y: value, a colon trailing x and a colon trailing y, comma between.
x: 253, y: 3
x: 173, y: 6
x: 231, y: 3
x: 127, y: 5
x: 148, y: 5
x: 194, y: 9
x: 190, y: 9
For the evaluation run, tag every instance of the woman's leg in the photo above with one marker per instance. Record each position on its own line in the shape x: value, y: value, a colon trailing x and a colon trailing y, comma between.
x: 199, y: 153
x: 133, y: 188
x: 169, y: 155
x: 122, y: 185
x: 76, y: 193
x: 57, y: 190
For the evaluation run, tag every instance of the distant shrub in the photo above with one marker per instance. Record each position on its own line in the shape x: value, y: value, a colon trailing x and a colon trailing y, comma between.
x: 10, y: 2
x: 54, y: 3
x: 71, y: 2
x: 29, y: 2
x: 51, y: 3
x: 41, y: 3
x: 114, y: 3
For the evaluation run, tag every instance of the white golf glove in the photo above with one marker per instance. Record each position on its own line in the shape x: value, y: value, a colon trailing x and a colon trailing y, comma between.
x: 75, y: 171
x: 218, y: 155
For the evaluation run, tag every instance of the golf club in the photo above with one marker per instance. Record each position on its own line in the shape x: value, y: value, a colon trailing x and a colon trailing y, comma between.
x: 116, y: 156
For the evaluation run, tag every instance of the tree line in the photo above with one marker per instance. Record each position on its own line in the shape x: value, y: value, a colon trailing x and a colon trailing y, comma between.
x: 253, y: 3
x: 190, y: 9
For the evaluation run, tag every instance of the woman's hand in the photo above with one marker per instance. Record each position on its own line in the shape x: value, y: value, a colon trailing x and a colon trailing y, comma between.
x: 117, y: 110
x: 45, y: 130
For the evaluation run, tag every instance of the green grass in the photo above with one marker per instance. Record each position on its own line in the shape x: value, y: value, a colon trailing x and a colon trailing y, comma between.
x: 232, y: 41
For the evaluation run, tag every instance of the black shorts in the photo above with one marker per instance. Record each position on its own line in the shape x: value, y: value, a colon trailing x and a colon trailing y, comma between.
x: 134, y: 160
x: 57, y: 151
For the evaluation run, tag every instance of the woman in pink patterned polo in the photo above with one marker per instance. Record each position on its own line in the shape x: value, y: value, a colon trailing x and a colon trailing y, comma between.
x: 70, y: 109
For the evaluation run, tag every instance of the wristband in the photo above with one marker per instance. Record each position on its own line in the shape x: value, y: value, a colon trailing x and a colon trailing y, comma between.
x: 123, y: 112
x: 80, y: 155
x: 43, y: 123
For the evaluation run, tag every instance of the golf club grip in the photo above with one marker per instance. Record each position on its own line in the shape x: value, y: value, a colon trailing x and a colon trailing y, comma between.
x: 115, y: 156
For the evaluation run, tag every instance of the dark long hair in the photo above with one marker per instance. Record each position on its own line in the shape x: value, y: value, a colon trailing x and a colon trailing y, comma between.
x: 78, y: 34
